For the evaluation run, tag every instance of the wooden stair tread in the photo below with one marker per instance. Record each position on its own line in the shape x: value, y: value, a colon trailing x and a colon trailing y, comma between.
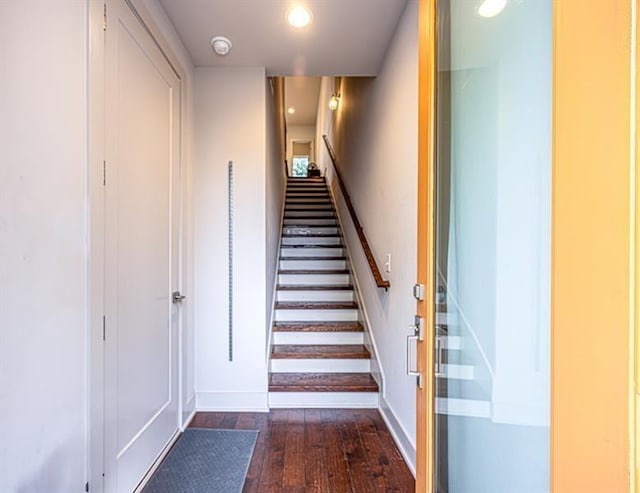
x: 312, y: 271
x: 315, y: 305
x: 322, y: 382
x: 318, y: 327
x: 324, y: 351
x: 314, y: 287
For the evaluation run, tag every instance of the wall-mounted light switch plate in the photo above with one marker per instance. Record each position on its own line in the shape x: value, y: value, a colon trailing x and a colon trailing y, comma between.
x: 387, y: 264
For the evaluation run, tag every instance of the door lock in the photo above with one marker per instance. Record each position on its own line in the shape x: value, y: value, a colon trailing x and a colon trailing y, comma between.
x: 176, y: 297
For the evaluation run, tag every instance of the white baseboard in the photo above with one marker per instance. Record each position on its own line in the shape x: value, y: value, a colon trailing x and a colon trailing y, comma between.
x: 157, y: 462
x: 189, y: 412
x: 256, y: 402
x: 407, y: 448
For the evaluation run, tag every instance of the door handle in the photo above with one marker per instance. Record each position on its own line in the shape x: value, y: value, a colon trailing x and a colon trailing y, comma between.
x: 176, y: 297
x: 411, y: 370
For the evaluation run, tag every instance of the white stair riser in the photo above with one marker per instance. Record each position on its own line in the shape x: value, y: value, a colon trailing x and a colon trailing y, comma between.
x: 320, y: 365
x: 350, y: 315
x: 314, y: 338
x: 310, y: 222
x: 324, y: 400
x: 312, y: 252
x: 463, y: 407
x: 459, y: 372
x: 311, y: 240
x: 315, y: 295
x: 314, y: 264
x: 304, y: 229
x: 313, y: 279
x: 323, y: 213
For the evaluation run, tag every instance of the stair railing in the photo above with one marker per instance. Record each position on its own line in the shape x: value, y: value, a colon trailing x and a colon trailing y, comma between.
x: 380, y: 281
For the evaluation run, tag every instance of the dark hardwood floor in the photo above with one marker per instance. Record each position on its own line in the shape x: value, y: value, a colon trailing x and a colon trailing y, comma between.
x: 318, y: 450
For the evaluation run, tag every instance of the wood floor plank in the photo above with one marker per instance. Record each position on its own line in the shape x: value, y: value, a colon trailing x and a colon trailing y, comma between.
x: 359, y: 470
x: 381, y: 471
x: 273, y: 464
x: 337, y: 465
x: 294, y: 453
x: 317, y: 479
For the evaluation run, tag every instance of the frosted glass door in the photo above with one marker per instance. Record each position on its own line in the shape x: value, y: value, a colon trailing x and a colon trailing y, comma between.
x: 493, y: 171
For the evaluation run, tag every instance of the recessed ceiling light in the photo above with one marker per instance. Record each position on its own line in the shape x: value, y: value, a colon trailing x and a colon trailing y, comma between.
x: 221, y: 45
x: 299, y: 16
x: 291, y: 111
x: 491, y: 8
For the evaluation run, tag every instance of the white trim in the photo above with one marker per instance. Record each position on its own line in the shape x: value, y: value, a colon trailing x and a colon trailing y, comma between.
x: 95, y: 250
x: 158, y: 461
x: 190, y: 412
x: 242, y: 402
x: 400, y: 436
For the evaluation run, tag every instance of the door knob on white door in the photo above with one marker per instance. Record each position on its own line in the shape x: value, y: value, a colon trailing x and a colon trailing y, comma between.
x: 176, y: 297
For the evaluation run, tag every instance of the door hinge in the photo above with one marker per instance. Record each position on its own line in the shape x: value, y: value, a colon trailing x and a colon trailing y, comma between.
x: 104, y: 173
x: 86, y: 487
x: 104, y: 19
x: 104, y: 328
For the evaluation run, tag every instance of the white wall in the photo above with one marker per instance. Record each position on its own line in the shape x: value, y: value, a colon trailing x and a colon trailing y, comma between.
x: 230, y: 126
x: 324, y: 124
x: 43, y: 252
x: 304, y: 133
x: 376, y: 136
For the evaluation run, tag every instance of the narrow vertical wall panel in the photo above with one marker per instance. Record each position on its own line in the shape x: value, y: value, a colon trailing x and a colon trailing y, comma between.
x: 591, y: 237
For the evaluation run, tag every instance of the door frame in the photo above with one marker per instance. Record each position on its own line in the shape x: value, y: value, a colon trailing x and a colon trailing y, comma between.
x: 161, y: 33
x: 593, y: 218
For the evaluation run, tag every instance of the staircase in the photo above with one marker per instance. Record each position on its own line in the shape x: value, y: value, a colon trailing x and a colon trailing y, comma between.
x: 318, y: 356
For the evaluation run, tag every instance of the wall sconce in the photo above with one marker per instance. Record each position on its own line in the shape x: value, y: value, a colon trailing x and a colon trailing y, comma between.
x: 334, y: 101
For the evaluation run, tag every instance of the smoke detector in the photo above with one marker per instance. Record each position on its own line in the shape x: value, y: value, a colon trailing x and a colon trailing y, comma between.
x: 221, y: 45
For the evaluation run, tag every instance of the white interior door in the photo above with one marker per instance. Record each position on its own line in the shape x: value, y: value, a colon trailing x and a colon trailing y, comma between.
x: 142, y: 206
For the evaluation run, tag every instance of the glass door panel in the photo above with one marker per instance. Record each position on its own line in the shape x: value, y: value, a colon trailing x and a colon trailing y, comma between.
x: 493, y: 189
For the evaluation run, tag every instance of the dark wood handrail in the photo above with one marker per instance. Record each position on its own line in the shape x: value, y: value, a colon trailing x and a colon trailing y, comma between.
x: 380, y: 281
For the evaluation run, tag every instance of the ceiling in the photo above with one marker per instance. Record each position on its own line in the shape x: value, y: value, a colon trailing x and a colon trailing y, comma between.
x: 301, y: 93
x: 346, y: 37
